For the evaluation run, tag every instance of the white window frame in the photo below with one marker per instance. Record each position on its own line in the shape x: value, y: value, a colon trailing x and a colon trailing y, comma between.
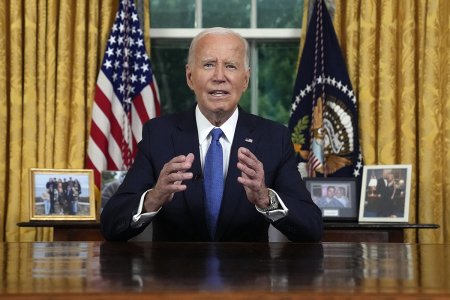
x: 252, y: 34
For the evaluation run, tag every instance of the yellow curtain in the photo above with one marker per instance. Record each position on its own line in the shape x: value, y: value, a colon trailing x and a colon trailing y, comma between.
x: 398, y: 57
x: 50, y: 53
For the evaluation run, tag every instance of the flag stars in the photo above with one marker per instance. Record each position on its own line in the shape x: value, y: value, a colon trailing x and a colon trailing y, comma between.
x: 144, y: 67
x: 121, y: 27
x: 134, y: 17
x: 110, y: 52
x: 333, y: 82
x: 112, y: 39
x: 308, y: 88
x: 294, y: 106
x: 130, y: 89
x: 121, y: 88
x: 118, y: 53
x: 114, y: 28
x: 114, y: 76
x: 338, y: 85
x: 120, y: 40
x: 138, y: 54
x: 142, y: 79
x: 319, y: 80
x: 302, y: 93
x: 116, y: 64
x: 140, y: 43
x: 145, y: 56
x: 297, y: 99
x: 136, y: 67
x: 107, y: 64
x: 344, y: 89
x: 122, y: 14
x: 133, y: 78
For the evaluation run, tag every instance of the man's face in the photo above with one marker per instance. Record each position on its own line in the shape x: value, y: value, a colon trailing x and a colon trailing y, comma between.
x: 385, y: 173
x: 218, y: 75
x: 339, y: 193
x: 330, y: 192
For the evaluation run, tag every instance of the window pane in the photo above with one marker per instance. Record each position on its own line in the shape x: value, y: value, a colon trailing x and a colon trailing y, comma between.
x: 277, y: 72
x: 172, y: 13
x: 231, y: 13
x: 169, y: 59
x: 280, y: 13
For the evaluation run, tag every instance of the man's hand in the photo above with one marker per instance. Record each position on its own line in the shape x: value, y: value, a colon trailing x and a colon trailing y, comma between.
x: 169, y: 182
x: 252, y: 178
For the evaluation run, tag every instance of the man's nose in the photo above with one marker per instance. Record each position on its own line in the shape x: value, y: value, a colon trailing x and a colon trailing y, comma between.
x: 219, y: 73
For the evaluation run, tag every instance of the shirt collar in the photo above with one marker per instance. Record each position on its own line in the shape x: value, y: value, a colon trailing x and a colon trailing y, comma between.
x: 204, y: 127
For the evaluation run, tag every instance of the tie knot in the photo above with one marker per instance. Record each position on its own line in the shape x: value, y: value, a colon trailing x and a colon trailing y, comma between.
x: 216, y: 133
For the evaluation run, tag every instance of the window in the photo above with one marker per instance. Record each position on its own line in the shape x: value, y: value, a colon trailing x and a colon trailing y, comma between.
x: 272, y: 27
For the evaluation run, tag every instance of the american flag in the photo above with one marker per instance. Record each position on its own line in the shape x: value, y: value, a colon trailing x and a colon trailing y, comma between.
x: 126, y: 96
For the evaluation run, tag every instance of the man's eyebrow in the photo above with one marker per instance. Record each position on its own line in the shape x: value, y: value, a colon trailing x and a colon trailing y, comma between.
x: 208, y: 60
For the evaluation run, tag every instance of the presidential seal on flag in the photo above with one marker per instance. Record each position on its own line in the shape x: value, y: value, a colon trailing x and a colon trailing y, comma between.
x: 324, y: 116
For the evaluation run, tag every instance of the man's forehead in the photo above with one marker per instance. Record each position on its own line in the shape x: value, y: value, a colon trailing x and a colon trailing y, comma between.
x: 227, y: 43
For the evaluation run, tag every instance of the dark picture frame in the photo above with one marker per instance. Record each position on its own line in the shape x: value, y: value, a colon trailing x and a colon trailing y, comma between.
x: 343, y: 204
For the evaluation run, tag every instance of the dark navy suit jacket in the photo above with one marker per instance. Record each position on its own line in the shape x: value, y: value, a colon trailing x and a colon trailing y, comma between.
x: 183, y: 219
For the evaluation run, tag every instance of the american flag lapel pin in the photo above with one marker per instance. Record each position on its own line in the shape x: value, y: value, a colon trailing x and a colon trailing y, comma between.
x: 249, y: 140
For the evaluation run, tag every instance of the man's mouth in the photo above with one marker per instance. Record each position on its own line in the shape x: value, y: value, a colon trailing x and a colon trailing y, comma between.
x: 218, y: 93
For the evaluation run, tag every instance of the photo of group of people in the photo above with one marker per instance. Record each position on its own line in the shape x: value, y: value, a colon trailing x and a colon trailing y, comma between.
x: 61, y: 194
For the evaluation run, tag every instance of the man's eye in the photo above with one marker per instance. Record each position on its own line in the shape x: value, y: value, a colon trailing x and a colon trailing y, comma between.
x: 231, y: 67
x: 208, y: 65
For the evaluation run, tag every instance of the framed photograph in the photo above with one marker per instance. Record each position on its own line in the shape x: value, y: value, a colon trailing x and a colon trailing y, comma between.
x: 385, y: 193
x: 336, y: 197
x: 111, y: 180
x: 62, y: 195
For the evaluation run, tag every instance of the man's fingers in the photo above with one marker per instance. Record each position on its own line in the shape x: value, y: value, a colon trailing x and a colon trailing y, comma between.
x: 246, y: 170
x: 179, y: 163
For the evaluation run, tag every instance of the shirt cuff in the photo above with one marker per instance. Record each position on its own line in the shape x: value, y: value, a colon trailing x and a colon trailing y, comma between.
x: 276, y: 214
x: 139, y: 219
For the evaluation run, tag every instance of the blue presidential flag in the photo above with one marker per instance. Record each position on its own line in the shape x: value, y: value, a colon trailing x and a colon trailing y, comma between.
x: 324, y: 114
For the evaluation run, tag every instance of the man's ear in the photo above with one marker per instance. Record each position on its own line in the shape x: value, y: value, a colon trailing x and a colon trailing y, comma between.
x: 247, y: 78
x: 189, y: 77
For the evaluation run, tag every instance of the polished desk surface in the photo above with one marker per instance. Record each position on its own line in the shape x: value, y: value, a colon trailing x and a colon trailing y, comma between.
x: 102, y: 270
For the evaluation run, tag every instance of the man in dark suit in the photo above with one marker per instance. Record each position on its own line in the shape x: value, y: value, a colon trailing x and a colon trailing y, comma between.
x: 384, y: 196
x: 168, y: 184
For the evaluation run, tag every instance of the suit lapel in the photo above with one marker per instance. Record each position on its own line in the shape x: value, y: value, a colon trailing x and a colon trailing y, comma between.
x: 186, y: 141
x: 234, y: 192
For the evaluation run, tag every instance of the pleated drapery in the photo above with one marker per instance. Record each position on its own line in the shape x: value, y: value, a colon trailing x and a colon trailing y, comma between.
x: 50, y: 53
x: 398, y: 58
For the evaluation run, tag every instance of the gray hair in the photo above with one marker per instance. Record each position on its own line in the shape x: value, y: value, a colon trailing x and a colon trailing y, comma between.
x: 219, y: 31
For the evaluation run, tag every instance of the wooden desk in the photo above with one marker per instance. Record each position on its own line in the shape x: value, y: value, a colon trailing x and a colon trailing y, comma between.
x: 369, y: 232
x: 334, y: 232
x: 101, y: 270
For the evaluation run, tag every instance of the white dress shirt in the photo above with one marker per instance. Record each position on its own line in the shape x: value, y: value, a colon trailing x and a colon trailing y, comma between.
x: 204, y: 128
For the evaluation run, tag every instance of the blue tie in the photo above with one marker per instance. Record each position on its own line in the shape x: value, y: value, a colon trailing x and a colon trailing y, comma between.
x: 213, y: 180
